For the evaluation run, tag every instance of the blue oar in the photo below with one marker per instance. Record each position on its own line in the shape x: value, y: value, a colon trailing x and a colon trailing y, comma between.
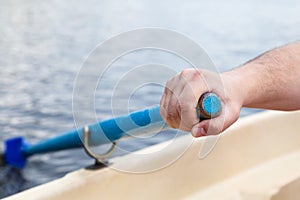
x: 139, y: 122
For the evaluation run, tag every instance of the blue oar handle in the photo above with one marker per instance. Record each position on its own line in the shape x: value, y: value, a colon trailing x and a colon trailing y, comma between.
x: 139, y: 122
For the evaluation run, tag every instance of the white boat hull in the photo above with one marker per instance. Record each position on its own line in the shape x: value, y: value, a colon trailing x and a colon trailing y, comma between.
x: 257, y: 158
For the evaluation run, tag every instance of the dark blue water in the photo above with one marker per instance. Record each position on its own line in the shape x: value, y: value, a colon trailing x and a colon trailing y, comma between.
x: 43, y: 44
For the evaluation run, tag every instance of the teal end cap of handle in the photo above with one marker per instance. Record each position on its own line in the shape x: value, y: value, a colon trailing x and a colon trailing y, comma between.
x: 211, y: 105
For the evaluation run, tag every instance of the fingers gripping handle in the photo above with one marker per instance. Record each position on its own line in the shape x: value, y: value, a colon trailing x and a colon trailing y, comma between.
x: 209, y: 106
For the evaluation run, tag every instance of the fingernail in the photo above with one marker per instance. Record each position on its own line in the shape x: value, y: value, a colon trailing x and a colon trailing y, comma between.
x: 197, y: 132
x: 202, y: 132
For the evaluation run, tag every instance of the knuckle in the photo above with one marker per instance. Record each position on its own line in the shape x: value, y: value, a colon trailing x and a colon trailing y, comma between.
x: 196, y: 74
x: 214, y: 129
x: 184, y: 72
x: 173, y: 119
x: 191, y: 74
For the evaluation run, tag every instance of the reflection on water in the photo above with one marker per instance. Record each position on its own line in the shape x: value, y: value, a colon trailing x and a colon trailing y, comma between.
x: 42, y: 46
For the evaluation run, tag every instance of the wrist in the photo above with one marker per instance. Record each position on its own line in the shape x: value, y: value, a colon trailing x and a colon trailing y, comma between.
x: 234, y: 87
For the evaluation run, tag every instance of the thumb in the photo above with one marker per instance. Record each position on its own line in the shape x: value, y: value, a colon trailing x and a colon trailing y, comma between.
x: 208, y: 127
x: 216, y: 125
x: 198, y: 130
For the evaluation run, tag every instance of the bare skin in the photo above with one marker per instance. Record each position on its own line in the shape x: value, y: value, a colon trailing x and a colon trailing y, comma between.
x: 270, y: 81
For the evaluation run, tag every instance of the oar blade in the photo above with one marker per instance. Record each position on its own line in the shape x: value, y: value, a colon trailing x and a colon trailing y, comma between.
x: 13, y: 155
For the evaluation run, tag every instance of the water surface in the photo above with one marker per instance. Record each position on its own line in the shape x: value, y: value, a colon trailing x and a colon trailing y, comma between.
x: 43, y: 44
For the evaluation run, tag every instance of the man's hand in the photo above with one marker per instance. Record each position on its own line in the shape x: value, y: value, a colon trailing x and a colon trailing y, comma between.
x: 181, y: 95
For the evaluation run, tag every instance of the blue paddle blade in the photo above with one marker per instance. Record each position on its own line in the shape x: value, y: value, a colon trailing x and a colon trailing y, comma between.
x: 13, y: 152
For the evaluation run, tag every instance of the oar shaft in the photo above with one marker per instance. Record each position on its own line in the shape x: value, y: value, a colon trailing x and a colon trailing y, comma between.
x: 139, y: 122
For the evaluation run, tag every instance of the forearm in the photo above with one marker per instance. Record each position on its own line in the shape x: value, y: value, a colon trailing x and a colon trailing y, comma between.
x: 272, y: 80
